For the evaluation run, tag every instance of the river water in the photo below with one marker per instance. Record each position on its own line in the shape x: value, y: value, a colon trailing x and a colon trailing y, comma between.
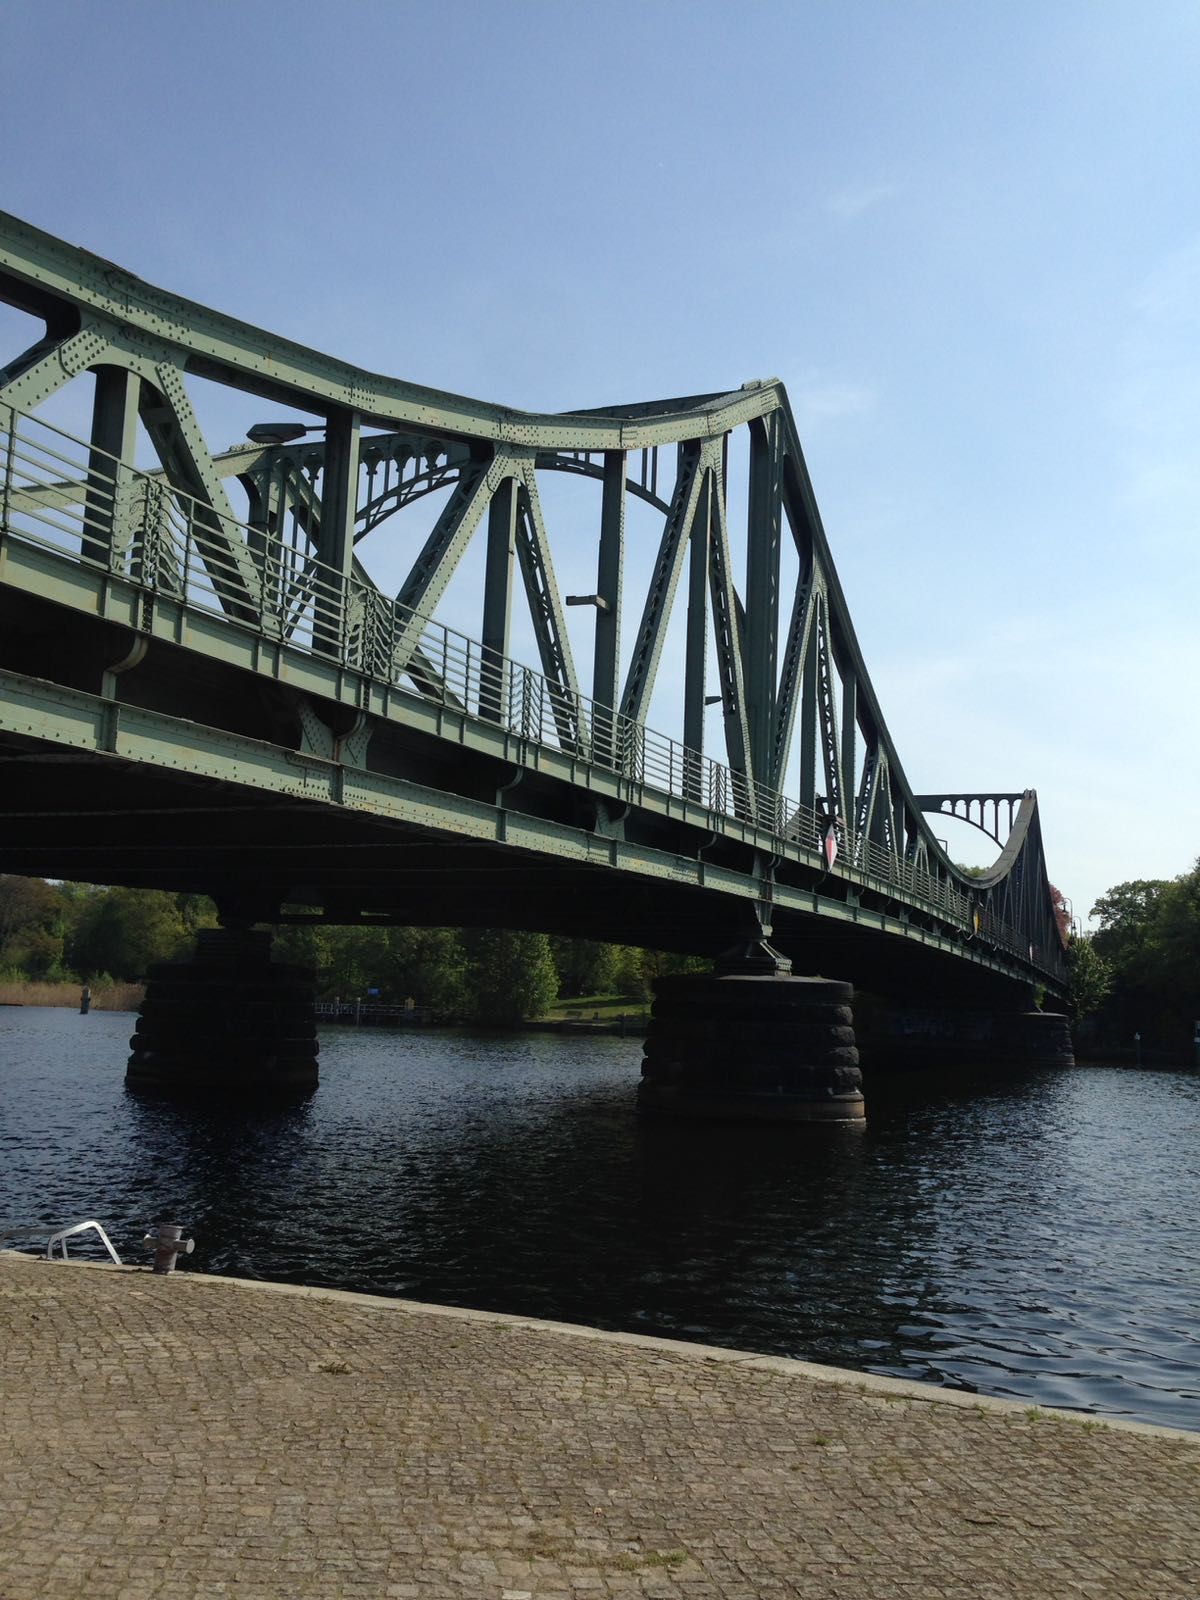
x: 1035, y: 1237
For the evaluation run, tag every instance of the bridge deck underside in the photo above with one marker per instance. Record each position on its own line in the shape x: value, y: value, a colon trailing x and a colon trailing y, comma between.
x: 198, y: 779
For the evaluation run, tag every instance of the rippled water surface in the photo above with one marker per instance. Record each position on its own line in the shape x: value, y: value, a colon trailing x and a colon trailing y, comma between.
x: 1038, y: 1237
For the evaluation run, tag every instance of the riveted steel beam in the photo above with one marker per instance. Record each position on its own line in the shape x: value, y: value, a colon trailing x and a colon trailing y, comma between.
x: 610, y: 558
x: 727, y: 613
x: 664, y: 580
x: 546, y: 609
x: 109, y: 515
x: 763, y: 541
x: 45, y: 367
x: 497, y: 598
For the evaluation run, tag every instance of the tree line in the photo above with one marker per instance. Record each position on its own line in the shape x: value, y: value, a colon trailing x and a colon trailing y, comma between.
x: 76, y: 933
x: 1139, y: 973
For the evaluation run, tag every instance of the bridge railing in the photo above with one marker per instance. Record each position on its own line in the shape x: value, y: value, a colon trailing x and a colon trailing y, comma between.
x: 59, y: 492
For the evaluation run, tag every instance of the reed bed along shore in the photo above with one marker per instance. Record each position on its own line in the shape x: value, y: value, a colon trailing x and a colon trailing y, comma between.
x: 105, y: 997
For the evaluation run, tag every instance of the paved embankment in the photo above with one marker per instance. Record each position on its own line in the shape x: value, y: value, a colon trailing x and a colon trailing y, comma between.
x: 192, y: 1437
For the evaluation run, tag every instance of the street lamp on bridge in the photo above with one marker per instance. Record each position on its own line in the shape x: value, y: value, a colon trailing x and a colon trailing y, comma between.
x: 282, y: 432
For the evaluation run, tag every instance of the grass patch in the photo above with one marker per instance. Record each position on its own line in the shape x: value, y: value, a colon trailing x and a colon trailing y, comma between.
x: 109, y: 997
x: 607, y: 1007
x: 652, y: 1558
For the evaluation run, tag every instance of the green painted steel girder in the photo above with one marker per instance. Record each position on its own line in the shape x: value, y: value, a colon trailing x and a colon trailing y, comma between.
x: 164, y: 554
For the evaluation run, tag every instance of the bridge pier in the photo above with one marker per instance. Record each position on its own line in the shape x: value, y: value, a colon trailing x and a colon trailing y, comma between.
x: 227, y: 1023
x: 752, y: 1041
x: 900, y: 1038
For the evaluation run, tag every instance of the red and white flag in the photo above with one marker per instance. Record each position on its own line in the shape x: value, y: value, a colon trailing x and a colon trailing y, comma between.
x: 830, y: 845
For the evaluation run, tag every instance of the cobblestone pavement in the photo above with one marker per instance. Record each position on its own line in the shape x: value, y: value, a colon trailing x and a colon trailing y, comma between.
x: 193, y: 1437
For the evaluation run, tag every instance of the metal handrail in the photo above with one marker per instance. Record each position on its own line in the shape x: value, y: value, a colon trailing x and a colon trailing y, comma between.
x: 61, y: 1238
x: 162, y: 539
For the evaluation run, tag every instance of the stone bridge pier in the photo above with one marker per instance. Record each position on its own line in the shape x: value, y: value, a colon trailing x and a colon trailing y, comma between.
x: 228, y: 1023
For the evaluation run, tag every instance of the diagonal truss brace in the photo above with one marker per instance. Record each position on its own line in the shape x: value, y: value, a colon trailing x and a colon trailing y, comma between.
x: 546, y: 609
x: 729, y: 641
x: 694, y: 459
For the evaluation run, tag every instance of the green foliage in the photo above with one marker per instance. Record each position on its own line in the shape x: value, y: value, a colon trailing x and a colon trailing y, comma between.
x: 123, y: 931
x: 1149, y: 936
x: 584, y: 966
x: 511, y: 976
x: 429, y: 966
x: 31, y: 926
x: 76, y: 932
x: 1127, y: 915
x: 1090, y: 977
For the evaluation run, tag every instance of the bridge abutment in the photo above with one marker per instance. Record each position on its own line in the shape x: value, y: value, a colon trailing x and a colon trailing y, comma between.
x: 227, y: 1023
x: 753, y: 1042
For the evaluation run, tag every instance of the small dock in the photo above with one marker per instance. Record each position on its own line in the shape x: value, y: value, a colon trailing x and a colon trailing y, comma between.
x: 187, y: 1436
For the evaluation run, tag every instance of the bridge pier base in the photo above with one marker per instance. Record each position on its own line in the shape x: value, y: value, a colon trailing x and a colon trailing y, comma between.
x: 901, y: 1038
x: 751, y: 1041
x: 228, y: 1023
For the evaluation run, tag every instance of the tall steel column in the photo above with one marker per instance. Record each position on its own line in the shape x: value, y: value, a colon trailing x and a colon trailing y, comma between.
x: 108, y: 514
x: 610, y: 560
x: 497, y: 597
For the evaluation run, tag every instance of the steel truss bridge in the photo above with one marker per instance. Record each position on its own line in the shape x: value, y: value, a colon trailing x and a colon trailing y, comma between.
x: 202, y: 687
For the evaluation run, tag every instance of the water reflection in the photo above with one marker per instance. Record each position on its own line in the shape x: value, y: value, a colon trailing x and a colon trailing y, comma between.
x: 1035, y: 1236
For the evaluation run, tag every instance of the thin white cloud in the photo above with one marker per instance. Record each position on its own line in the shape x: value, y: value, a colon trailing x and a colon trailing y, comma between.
x: 855, y: 200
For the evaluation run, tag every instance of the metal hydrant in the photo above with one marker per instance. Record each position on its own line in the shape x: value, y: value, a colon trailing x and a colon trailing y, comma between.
x: 167, y: 1243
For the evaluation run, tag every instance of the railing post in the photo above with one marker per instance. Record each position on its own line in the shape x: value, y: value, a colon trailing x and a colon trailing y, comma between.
x: 6, y: 493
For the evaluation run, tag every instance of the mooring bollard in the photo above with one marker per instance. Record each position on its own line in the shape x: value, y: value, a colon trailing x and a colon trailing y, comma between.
x: 167, y: 1243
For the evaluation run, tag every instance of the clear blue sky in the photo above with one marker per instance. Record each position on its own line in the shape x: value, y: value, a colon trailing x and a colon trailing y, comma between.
x: 967, y: 236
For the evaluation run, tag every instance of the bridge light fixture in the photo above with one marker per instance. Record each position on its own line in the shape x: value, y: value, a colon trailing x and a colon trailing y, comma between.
x: 282, y: 432
x: 712, y: 699
x: 597, y: 600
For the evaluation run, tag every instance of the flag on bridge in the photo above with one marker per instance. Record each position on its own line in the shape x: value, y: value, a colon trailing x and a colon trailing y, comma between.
x: 830, y: 845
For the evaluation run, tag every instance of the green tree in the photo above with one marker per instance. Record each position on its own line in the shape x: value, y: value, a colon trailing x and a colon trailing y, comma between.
x: 30, y: 926
x: 1149, y: 935
x: 357, y: 961
x: 123, y: 931
x: 1090, y: 977
x: 511, y: 976
x: 305, y: 945
x: 584, y: 966
x: 1127, y: 914
x: 428, y: 965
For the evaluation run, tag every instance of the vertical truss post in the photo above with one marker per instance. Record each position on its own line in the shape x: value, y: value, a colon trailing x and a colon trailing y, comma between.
x: 849, y: 756
x: 697, y: 639
x: 606, y: 663
x: 339, y: 508
x: 108, y: 513
x: 809, y: 691
x: 763, y: 534
x: 497, y: 597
